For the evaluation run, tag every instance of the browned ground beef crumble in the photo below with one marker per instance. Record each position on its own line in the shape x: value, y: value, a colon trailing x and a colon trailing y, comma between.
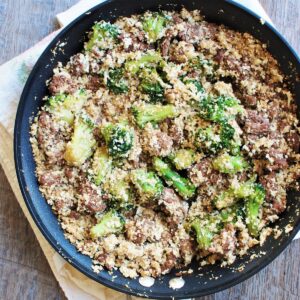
x: 160, y: 234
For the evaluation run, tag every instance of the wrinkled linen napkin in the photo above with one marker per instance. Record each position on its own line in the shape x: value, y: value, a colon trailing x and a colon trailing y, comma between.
x: 13, y: 75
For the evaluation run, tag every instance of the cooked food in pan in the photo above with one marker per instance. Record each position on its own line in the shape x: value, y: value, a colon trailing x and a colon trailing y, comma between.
x: 167, y: 138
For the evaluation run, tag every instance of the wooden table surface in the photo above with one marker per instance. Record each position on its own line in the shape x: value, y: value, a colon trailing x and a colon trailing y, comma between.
x: 24, y: 271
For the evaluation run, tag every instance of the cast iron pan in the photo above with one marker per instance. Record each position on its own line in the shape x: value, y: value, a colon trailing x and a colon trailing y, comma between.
x: 213, y: 278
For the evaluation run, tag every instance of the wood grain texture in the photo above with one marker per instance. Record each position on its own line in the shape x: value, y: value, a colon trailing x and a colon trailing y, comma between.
x: 24, y: 271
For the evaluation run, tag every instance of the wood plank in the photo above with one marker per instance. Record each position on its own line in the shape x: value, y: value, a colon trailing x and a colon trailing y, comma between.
x: 286, y: 17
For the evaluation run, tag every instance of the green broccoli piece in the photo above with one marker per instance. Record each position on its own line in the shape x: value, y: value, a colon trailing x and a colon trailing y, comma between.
x: 65, y: 107
x: 104, y: 35
x: 183, y: 158
x: 116, y: 81
x: 214, y: 138
x: 225, y: 199
x: 82, y: 142
x: 111, y: 222
x: 200, y: 63
x: 182, y: 185
x: 148, y: 60
x: 227, y: 137
x: 205, y: 230
x: 120, y: 191
x: 153, y: 25
x: 148, y: 184
x: 245, y: 190
x: 194, y: 85
x: 118, y: 138
x: 153, y: 113
x: 232, y: 214
x: 253, y: 208
x: 101, y: 165
x: 151, y: 84
x: 208, y: 139
x: 196, y: 88
x: 218, y: 109
x: 229, y: 164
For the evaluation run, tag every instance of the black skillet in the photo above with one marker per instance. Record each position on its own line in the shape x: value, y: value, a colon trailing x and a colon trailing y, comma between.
x: 213, y: 278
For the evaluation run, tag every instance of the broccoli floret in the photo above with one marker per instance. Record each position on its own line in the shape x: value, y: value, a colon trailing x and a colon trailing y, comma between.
x: 116, y: 81
x: 148, y: 184
x: 253, y: 209
x: 119, y: 189
x: 232, y: 214
x: 111, y: 222
x: 227, y: 135
x: 118, y: 138
x: 200, y: 63
x: 151, y: 84
x: 194, y: 85
x: 214, y: 138
x: 101, y: 165
x: 103, y: 36
x: 205, y: 230
x: 183, y: 158
x: 148, y: 60
x: 245, y: 190
x: 229, y: 164
x: 64, y: 107
x: 153, y: 113
x: 82, y: 142
x: 182, y: 185
x: 197, y: 90
x: 225, y: 199
x: 218, y: 109
x: 56, y: 100
x: 154, y: 25
x: 208, y: 139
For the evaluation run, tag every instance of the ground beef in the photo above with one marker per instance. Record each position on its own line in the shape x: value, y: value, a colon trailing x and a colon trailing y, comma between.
x: 169, y: 263
x: 79, y: 65
x: 225, y: 243
x: 220, y: 55
x: 256, y: 123
x: 194, y: 33
x: 93, y: 83
x: 202, y: 173
x: 158, y: 143
x: 51, y: 138
x: 144, y: 228
x: 176, y: 133
x: 293, y: 141
x: 166, y: 42
x: 173, y: 206
x: 277, y: 160
x: 50, y: 178
x: 249, y: 100
x: 90, y: 198
x: 187, y: 248
x: 275, y: 194
x: 61, y: 84
x: 134, y: 42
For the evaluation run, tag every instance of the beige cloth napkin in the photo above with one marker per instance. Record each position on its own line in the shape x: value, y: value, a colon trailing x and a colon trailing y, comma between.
x: 13, y: 75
